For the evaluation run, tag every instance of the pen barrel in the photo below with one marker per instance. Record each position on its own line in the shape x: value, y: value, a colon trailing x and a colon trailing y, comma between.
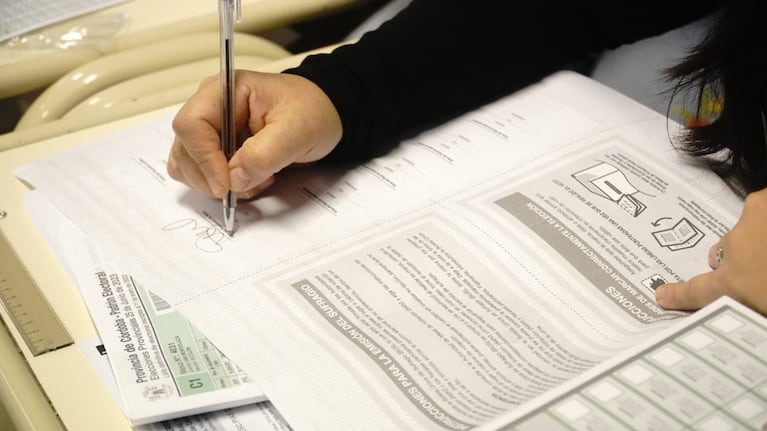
x: 228, y: 132
x: 229, y: 200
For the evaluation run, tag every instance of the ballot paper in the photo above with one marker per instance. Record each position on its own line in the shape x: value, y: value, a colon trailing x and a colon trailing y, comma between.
x: 163, y: 366
x: 255, y: 417
x: 472, y: 269
x: 708, y: 371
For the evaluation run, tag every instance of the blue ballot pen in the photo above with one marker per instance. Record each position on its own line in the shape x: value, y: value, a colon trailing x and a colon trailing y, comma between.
x: 226, y: 10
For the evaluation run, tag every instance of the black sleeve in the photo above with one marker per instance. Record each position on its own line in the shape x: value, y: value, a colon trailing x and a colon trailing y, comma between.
x: 438, y: 58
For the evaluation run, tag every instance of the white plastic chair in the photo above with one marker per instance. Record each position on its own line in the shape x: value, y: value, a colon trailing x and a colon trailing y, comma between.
x: 157, y: 74
x: 72, y: 121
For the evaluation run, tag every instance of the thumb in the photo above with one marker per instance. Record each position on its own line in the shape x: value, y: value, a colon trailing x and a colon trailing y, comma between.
x: 292, y: 120
x: 262, y: 155
x: 691, y: 294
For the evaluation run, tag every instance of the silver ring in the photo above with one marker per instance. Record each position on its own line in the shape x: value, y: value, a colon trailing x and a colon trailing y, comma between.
x: 719, y: 256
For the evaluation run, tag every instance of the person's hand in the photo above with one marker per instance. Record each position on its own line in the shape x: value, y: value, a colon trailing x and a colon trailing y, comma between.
x: 286, y: 119
x: 739, y: 263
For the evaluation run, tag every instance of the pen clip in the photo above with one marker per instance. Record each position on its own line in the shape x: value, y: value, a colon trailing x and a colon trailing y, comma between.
x: 238, y: 10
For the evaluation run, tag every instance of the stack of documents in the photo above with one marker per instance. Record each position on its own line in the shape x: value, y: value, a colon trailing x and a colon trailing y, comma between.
x: 20, y: 17
x: 164, y: 373
x: 478, y: 272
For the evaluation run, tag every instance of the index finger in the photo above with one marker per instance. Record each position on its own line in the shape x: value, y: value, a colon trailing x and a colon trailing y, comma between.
x: 197, y: 126
x: 691, y: 294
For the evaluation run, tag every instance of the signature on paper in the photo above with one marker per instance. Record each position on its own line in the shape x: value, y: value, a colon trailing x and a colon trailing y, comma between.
x: 208, y: 237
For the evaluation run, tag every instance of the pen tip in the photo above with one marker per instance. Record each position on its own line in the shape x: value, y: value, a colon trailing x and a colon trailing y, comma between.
x: 229, y: 221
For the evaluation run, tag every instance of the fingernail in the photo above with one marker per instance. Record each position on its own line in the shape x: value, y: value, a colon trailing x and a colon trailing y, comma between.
x: 240, y: 180
x: 660, y: 294
x: 250, y: 194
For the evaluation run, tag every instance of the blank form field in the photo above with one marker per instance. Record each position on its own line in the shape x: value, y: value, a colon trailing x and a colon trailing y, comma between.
x: 726, y: 323
x: 697, y: 340
x: 636, y: 374
x: 715, y: 423
x: 667, y: 356
x: 747, y: 408
x: 572, y: 409
x: 604, y: 391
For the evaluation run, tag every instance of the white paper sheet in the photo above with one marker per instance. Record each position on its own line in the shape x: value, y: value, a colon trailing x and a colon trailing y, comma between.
x: 254, y: 417
x: 164, y: 368
x: 678, y: 379
x: 335, y: 292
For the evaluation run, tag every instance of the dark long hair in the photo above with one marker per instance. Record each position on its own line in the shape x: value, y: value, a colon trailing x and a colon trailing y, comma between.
x: 729, y: 65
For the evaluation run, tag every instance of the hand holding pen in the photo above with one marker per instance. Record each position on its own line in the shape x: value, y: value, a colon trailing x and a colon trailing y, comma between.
x: 285, y: 119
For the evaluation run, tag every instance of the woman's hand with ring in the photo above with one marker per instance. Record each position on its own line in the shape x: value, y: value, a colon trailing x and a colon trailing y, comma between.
x: 738, y: 262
